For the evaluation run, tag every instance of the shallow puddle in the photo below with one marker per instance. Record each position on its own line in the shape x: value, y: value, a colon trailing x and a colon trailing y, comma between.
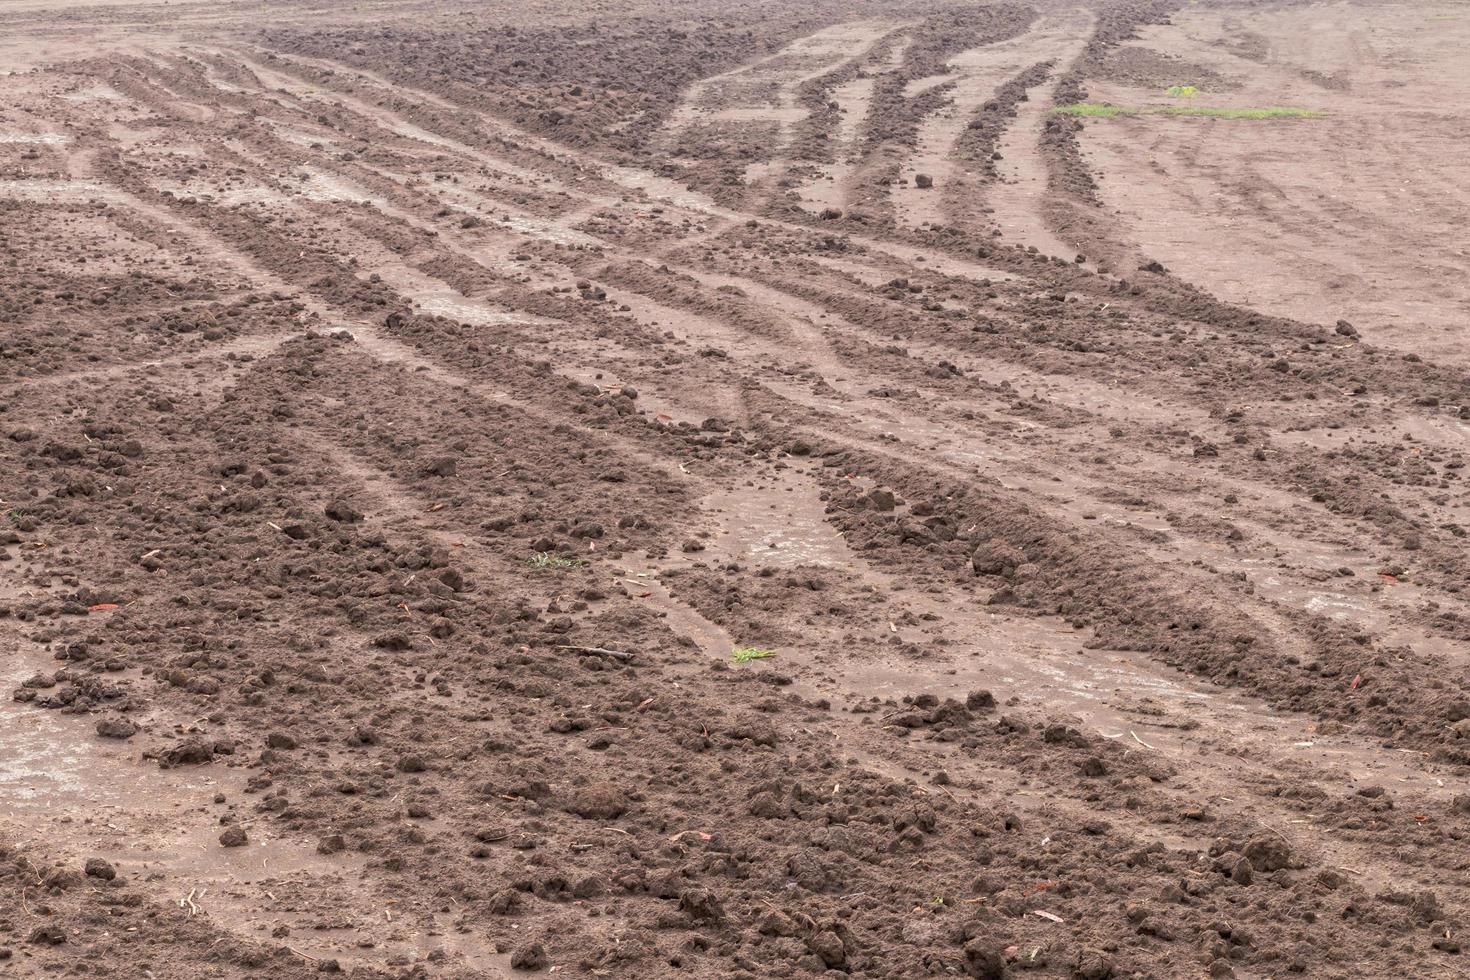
x: 468, y: 312
x: 778, y: 521
x: 42, y: 139
x: 55, y: 190
x: 73, y: 796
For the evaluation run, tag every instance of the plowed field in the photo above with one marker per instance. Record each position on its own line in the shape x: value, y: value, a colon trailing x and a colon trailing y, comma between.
x: 734, y: 490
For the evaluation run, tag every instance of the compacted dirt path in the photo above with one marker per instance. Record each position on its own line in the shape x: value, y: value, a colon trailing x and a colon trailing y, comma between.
x: 496, y: 493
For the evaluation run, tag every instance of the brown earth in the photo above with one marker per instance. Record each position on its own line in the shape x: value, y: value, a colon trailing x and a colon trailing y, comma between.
x: 408, y: 410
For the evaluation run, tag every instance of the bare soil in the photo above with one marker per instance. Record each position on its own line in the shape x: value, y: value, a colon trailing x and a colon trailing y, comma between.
x: 733, y: 490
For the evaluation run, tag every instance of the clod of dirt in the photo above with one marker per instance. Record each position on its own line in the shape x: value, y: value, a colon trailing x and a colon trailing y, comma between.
x: 923, y: 181
x: 1267, y: 853
x: 342, y: 511
x: 597, y: 801
x: 531, y: 956
x: 881, y: 500
x: 279, y: 740
x: 829, y: 946
x: 983, y: 961
x: 98, y: 868
x: 981, y: 700
x: 1092, y: 965
x: 701, y: 905
x: 394, y: 640
x: 768, y: 806
x: 116, y: 728
x: 996, y: 557
x: 234, y: 837
x: 190, y: 753
x: 1235, y: 867
x: 1064, y: 735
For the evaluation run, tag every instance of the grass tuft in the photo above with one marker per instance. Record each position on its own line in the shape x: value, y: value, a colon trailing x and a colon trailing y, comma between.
x: 1095, y: 110
x: 744, y: 655
x: 546, y: 559
x: 1092, y: 110
x: 1182, y: 91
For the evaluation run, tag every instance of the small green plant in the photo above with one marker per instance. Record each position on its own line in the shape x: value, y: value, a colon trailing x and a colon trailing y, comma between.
x: 546, y: 559
x: 1273, y: 112
x: 1094, y: 110
x: 1182, y: 91
x: 744, y: 655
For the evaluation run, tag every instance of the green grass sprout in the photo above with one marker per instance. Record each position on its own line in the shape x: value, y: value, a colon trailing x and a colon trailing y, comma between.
x: 1095, y: 110
x: 744, y: 655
